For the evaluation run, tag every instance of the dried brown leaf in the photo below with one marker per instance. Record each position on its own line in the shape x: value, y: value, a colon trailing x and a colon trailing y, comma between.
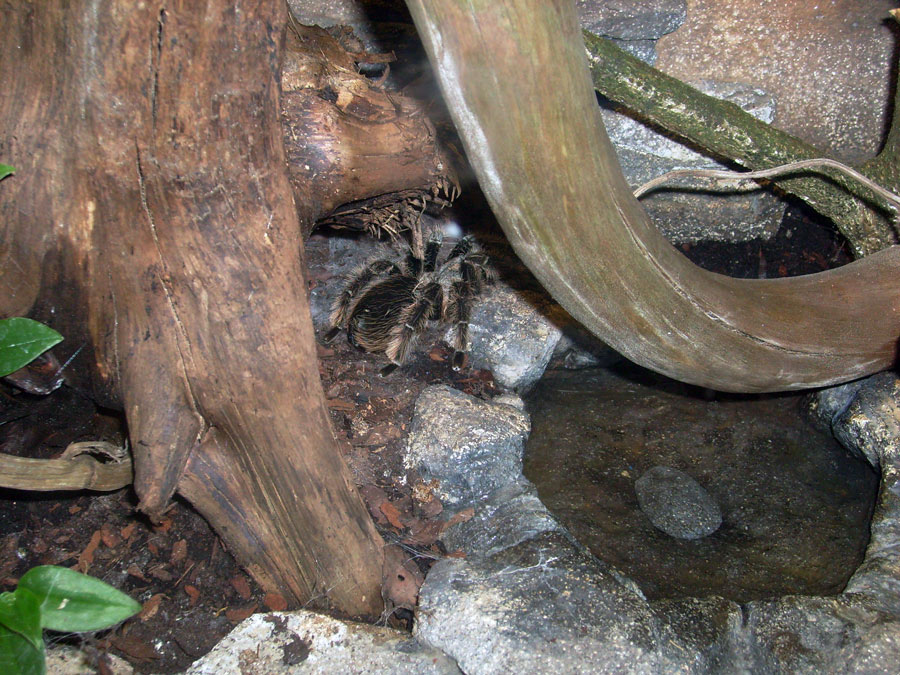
x: 275, y: 602
x: 193, y: 593
x: 179, y: 551
x: 134, y: 647
x: 424, y: 532
x: 239, y: 583
x: 392, y: 514
x: 238, y: 614
x: 151, y: 607
x: 136, y: 572
x: 86, y: 557
x: 461, y: 517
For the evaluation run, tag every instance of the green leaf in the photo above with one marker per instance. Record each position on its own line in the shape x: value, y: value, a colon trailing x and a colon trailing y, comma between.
x: 21, y: 340
x: 5, y: 170
x: 74, y: 602
x: 18, y: 655
x: 20, y: 612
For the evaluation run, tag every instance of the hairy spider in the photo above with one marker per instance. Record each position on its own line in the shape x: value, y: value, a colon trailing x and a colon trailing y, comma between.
x: 389, y: 301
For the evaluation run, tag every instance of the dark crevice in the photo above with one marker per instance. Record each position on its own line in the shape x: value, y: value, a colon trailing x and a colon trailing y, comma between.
x: 160, y: 28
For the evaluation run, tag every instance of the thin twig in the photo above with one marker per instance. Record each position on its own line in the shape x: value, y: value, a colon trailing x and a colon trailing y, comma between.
x: 793, y: 167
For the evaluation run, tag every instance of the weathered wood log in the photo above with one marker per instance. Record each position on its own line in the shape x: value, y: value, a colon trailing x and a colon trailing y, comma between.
x: 151, y: 219
x: 515, y: 77
x: 349, y: 140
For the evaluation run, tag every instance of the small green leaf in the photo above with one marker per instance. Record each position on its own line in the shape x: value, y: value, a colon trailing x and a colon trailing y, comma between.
x: 18, y: 655
x: 20, y: 612
x: 74, y: 602
x: 6, y: 170
x: 21, y: 341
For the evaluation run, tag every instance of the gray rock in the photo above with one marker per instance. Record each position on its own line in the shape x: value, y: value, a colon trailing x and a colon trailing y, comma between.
x: 686, y: 215
x: 510, y: 515
x: 68, y: 660
x: 377, y: 25
x: 645, y: 50
x: 868, y: 424
x: 472, y: 447
x: 802, y: 634
x: 631, y: 19
x: 512, y: 335
x: 305, y: 642
x: 540, y: 607
x: 677, y: 504
x: 857, y: 631
x: 328, y: 13
x: 827, y: 404
x: 578, y: 348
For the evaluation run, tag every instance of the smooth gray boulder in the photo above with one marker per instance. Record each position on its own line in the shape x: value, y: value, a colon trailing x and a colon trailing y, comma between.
x: 677, y: 504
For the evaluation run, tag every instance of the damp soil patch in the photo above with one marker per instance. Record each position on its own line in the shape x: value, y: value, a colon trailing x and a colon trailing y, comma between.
x: 795, y: 504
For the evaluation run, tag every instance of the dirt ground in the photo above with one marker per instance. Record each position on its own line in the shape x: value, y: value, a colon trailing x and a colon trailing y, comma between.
x: 192, y: 590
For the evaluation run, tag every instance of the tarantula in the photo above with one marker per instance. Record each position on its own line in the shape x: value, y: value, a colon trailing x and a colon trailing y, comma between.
x: 388, y: 302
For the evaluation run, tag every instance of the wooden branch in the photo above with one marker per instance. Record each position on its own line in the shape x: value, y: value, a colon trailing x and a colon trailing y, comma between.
x: 77, y: 471
x: 347, y: 139
x: 515, y: 77
x: 724, y: 130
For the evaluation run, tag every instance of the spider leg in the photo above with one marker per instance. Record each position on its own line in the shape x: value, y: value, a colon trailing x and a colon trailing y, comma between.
x: 413, y: 320
x: 475, y: 270
x: 462, y: 248
x: 460, y: 311
x: 432, y: 248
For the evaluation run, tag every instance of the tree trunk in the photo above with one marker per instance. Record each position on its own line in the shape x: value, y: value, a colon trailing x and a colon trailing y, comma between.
x: 515, y: 77
x: 151, y: 219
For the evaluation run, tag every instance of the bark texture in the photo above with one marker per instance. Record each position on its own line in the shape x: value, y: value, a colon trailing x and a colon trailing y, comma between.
x: 515, y: 77
x: 151, y: 220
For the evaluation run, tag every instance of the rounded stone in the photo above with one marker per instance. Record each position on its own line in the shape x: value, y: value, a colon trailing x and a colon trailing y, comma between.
x: 677, y: 504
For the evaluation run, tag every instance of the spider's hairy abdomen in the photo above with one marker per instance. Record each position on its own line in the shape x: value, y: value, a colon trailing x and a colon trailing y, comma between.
x: 374, y: 314
x: 357, y: 281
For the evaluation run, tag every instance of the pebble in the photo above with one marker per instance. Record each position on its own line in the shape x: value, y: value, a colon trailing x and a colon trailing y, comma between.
x: 677, y: 504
